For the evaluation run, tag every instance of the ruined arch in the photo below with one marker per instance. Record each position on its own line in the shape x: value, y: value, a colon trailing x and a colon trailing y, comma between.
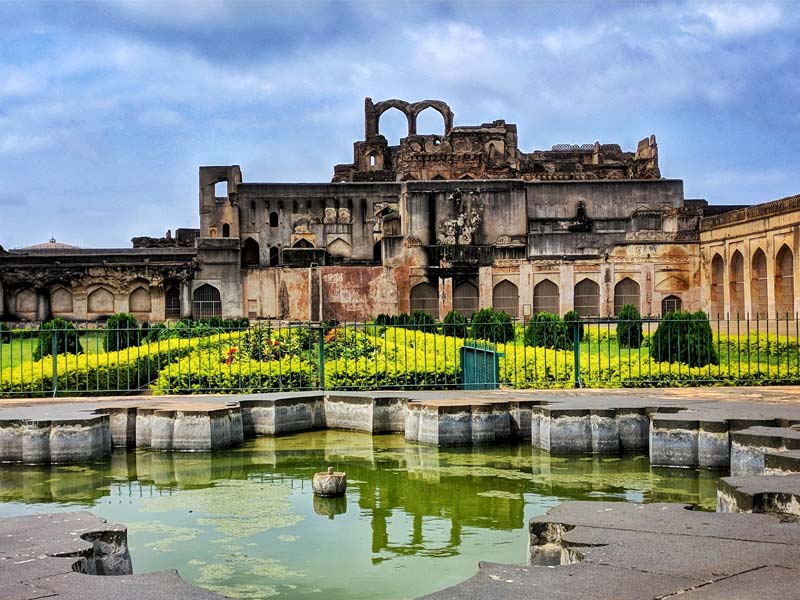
x: 100, y: 301
x: 392, y: 128
x: 427, y: 124
x: 758, y: 284
x: 546, y: 297
x: 717, y: 286
x: 441, y: 107
x: 736, y: 287
x: 465, y: 298
x: 302, y: 243
x: 505, y: 297
x: 425, y: 298
x: 139, y: 301
x: 784, y: 282
x: 251, y: 252
x: 626, y: 292
x: 206, y: 302
x: 586, y: 298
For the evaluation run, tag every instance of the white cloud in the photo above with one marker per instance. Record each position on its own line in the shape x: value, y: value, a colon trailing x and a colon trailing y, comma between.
x: 16, y: 144
x: 730, y: 20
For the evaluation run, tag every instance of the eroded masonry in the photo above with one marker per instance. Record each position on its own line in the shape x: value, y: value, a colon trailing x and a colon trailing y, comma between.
x: 456, y: 221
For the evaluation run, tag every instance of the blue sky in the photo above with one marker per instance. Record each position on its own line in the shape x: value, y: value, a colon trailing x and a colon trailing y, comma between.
x: 108, y: 108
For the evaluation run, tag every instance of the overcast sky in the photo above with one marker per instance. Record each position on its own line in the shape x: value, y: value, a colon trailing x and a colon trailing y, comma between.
x: 107, y: 109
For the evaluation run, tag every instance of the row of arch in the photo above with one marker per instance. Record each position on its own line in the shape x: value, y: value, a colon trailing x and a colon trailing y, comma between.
x: 759, y: 284
x: 99, y: 301
x: 546, y: 298
x: 411, y: 111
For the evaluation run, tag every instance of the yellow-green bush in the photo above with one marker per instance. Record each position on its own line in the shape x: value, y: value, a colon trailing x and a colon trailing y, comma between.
x: 208, y: 371
x: 121, y: 370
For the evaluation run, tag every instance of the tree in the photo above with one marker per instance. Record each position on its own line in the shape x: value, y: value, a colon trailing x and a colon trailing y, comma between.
x: 629, y: 327
x: 684, y: 337
x: 122, y: 331
x: 547, y: 330
x: 488, y: 324
x: 58, y: 333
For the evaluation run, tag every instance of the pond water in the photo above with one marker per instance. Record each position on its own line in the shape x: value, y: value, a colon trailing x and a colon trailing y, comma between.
x: 244, y: 522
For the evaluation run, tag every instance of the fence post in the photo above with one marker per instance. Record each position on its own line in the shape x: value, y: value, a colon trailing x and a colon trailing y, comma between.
x: 321, y: 357
x: 54, y: 354
x: 576, y: 350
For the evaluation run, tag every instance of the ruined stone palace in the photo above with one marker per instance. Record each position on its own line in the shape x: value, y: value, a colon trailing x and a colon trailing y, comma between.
x: 455, y: 221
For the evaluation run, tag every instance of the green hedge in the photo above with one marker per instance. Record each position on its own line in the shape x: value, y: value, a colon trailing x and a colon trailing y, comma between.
x: 60, y: 332
x: 546, y: 330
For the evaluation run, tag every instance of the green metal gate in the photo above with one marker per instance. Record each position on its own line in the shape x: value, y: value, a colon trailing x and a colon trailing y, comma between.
x: 480, y: 368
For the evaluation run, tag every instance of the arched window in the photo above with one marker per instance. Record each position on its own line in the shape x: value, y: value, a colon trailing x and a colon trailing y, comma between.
x: 302, y: 243
x: 784, y: 282
x: 172, y: 303
x: 425, y: 297
x: 206, y: 302
x: 587, y: 298
x: 626, y: 292
x: 505, y: 296
x: 671, y: 304
x: 226, y: 230
x: 758, y: 285
x: 737, y: 286
x: 250, y: 253
x: 545, y: 298
x: 372, y: 160
x: 274, y: 256
x: 717, y: 286
x: 465, y: 298
x: 273, y: 219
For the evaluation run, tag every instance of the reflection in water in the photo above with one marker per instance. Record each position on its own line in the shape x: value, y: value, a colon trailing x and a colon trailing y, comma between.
x: 246, y: 524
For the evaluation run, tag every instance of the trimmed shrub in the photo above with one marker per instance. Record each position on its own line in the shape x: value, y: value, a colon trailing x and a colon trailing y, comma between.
x: 570, y: 319
x: 122, y: 331
x: 423, y: 321
x: 65, y: 336
x: 547, y: 330
x: 384, y: 320
x: 454, y: 324
x: 629, y: 327
x: 488, y: 324
x: 684, y: 337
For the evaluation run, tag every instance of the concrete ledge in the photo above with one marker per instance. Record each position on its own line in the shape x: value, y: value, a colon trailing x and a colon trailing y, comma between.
x: 749, y: 446
x: 604, y: 550
x: 65, y: 556
x: 760, y: 494
x: 55, y: 441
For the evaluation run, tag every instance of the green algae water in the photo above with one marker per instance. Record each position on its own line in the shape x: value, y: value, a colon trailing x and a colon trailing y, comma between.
x: 244, y: 523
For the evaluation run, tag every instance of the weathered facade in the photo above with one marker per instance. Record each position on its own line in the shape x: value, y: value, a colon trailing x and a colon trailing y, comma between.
x: 437, y: 223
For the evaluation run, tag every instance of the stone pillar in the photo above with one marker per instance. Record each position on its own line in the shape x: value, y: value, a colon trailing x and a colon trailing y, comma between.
x: 726, y: 284
x: 771, y: 258
x: 566, y: 288
x: 525, y: 287
x: 42, y: 304
x: 606, y: 290
x: 186, y: 300
x: 748, y: 279
x: 485, y: 287
x: 445, y: 296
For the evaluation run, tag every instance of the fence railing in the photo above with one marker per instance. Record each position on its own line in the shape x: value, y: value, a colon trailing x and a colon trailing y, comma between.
x: 232, y: 356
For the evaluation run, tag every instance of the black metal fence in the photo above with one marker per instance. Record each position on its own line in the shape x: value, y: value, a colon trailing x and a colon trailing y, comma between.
x: 232, y: 356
